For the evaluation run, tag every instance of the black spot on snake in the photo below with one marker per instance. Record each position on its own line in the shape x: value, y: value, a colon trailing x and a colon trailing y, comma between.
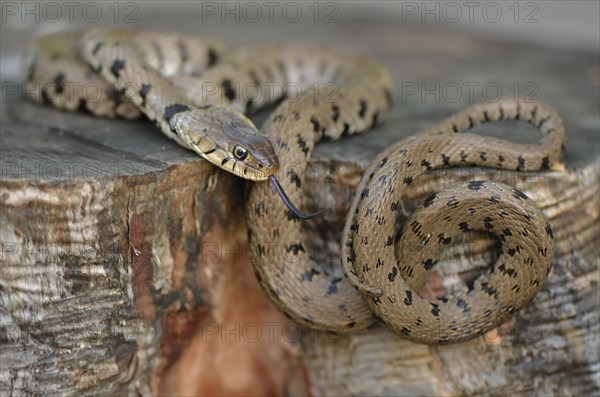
x: 408, y: 180
x: 483, y: 156
x: 488, y: 222
x: 408, y: 300
x: 428, y: 264
x: 363, y: 108
x: 486, y: 116
x: 463, y: 305
x: 429, y: 200
x: 59, y: 80
x: 309, y: 274
x: 144, y: 90
x: 495, y: 198
x: 509, y: 271
x: 392, y: 275
x: 471, y: 123
x: 390, y: 241
x: 501, y: 110
x: 511, y: 251
x: 519, y: 194
x: 295, y: 178
x: 115, y: 95
x: 97, y: 48
x: 315, y: 123
x: 545, y: 163
x: 452, y: 202
x: 172, y: 110
x: 446, y: 159
x: 463, y: 155
x: 485, y: 287
x: 549, y: 230
x: 116, y: 67
x: 443, y: 239
x: 435, y: 309
x: 228, y: 89
x: 543, y: 251
x: 353, y: 256
x: 262, y: 250
x: 415, y: 227
x: 212, y: 56
x: 259, y: 209
x: 346, y: 129
x: 464, y: 226
x: 294, y: 247
x: 378, y: 263
x: 303, y: 145
x: 365, y: 193
x: 543, y: 121
x: 394, y: 206
x: 507, y: 232
x: 336, y: 112
x: 406, y: 331
x: 475, y: 185
x: 82, y: 106
x: 534, y: 112
x: 225, y: 160
x: 333, y: 289
x: 426, y: 164
x: 375, y: 119
x: 454, y: 128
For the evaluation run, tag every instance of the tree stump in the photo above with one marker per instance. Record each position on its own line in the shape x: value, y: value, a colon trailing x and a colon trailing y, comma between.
x: 125, y: 267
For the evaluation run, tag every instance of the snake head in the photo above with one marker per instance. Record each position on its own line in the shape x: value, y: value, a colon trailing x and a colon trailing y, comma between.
x: 227, y: 139
x: 231, y: 141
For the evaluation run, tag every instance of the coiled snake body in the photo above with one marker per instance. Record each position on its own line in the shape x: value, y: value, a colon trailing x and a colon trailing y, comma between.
x: 163, y: 75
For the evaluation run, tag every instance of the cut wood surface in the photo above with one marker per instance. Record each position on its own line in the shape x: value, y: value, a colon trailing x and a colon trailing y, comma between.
x: 125, y: 267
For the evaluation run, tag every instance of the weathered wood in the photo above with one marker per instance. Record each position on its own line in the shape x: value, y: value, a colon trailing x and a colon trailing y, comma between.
x: 124, y: 263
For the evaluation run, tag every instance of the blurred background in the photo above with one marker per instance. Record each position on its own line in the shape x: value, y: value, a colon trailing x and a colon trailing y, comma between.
x: 559, y: 24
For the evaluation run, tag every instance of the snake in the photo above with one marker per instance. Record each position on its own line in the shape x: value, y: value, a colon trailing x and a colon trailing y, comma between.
x: 167, y: 77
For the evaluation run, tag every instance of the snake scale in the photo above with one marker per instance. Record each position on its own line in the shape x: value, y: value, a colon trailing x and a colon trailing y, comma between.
x: 165, y: 75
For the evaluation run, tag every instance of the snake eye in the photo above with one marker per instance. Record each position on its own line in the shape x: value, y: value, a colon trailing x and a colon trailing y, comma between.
x: 240, y: 153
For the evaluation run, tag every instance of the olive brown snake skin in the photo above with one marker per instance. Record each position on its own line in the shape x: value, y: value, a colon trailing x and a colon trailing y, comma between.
x: 164, y: 76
